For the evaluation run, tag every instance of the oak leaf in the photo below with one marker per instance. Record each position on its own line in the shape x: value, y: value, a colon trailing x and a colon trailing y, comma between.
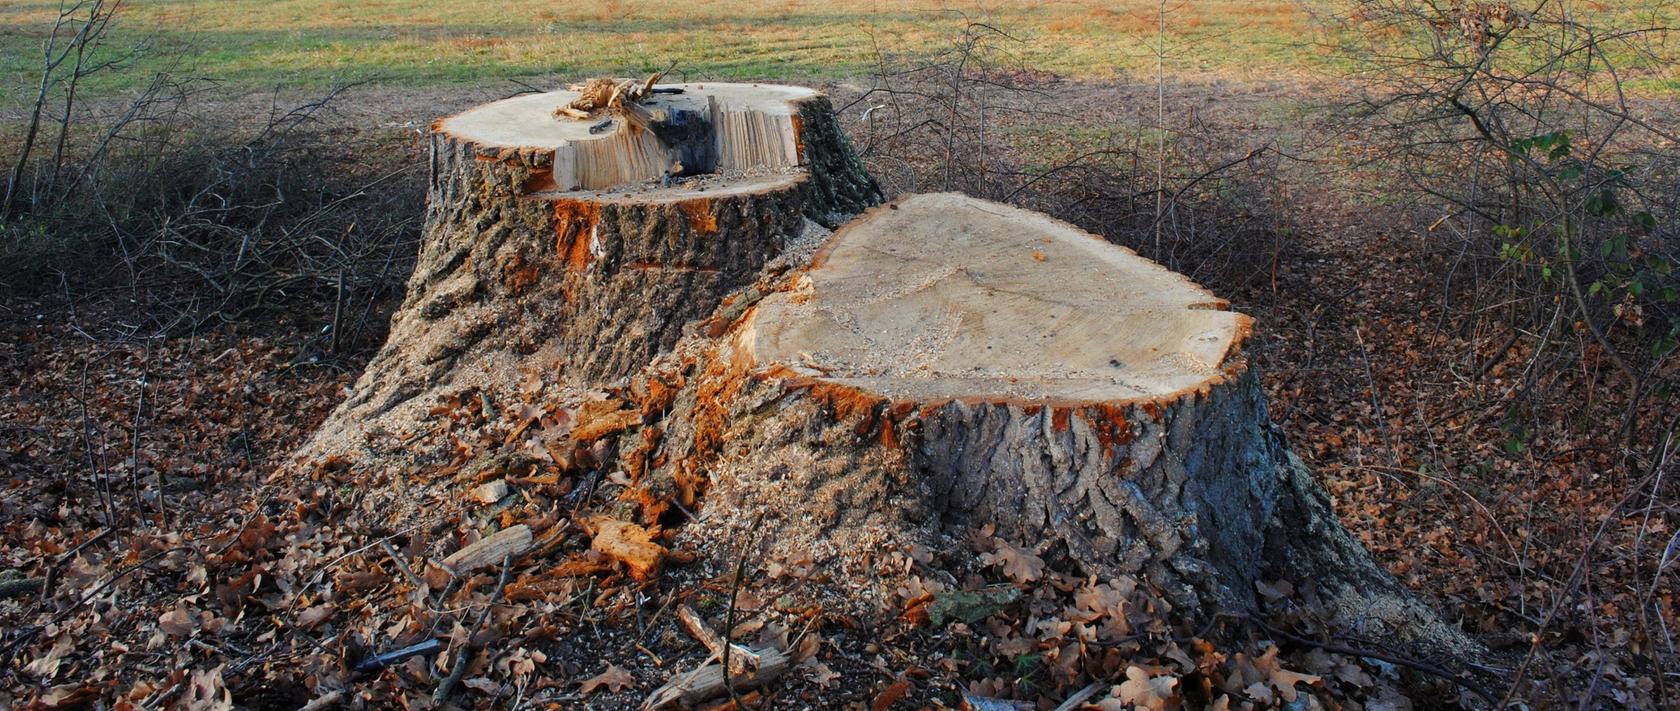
x: 1020, y: 565
x: 1146, y: 692
x: 614, y: 678
x: 1282, y: 679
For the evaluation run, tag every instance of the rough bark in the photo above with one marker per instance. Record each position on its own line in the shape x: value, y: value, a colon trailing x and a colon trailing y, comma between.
x: 520, y: 274
x: 1194, y: 490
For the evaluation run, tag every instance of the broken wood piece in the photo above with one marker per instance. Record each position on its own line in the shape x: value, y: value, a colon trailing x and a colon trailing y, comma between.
x: 710, y: 681
x: 489, y: 492
x: 599, y: 418
x: 629, y: 544
x: 742, y: 659
x: 491, y: 549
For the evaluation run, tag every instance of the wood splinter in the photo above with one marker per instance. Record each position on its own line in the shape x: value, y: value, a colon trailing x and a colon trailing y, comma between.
x: 748, y: 668
x: 621, y: 96
x: 742, y: 659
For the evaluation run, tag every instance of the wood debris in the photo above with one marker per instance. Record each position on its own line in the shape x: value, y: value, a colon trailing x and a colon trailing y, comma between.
x: 490, y: 550
x: 711, y: 680
x: 620, y: 96
x: 629, y: 544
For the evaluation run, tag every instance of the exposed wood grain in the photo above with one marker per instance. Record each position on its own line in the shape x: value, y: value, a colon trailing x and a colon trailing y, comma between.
x: 490, y: 550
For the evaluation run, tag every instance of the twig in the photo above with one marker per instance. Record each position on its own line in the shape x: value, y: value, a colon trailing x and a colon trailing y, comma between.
x: 462, y: 657
x: 51, y: 580
x: 1080, y: 696
x: 401, y: 564
x: 729, y: 618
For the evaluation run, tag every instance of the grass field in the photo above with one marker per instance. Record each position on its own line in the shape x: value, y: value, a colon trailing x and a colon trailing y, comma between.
x: 308, y: 44
x: 311, y: 43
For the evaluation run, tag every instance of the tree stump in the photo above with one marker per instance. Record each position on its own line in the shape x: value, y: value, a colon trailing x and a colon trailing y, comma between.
x: 578, y: 249
x: 946, y: 360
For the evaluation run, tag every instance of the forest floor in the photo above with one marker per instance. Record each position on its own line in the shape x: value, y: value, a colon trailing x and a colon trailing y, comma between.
x: 172, y: 570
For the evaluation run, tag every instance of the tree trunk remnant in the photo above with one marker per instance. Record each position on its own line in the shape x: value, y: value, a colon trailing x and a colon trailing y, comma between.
x: 947, y: 361
x: 578, y: 249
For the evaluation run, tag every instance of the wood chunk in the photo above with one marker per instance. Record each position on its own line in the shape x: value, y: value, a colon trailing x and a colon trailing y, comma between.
x: 709, y: 681
x: 490, y: 492
x: 490, y: 550
x: 599, y: 418
x: 629, y: 544
x: 742, y: 659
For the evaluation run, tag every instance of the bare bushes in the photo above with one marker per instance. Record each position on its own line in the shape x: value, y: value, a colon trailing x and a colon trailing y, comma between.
x: 1557, y: 187
x: 195, y: 209
x: 971, y: 117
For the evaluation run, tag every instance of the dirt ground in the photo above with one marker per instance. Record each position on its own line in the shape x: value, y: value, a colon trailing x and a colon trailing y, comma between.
x: 136, y: 474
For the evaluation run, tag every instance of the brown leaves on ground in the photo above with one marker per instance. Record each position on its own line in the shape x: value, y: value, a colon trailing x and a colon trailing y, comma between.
x: 1021, y: 565
x: 1142, y: 691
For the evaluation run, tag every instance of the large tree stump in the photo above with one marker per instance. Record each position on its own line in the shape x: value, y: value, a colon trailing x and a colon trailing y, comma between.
x: 578, y: 249
x: 946, y: 360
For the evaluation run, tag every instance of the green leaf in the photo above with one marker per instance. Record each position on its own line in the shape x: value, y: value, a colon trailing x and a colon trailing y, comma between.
x: 1602, y: 203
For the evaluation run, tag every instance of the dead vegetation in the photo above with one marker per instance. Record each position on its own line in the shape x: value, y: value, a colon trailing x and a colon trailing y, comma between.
x: 150, y: 561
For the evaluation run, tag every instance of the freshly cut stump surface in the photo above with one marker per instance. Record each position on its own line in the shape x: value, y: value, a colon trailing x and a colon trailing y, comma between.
x: 570, y: 253
x: 947, y: 362
x: 948, y: 297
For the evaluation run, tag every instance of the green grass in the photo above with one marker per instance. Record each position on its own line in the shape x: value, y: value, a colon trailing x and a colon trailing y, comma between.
x: 313, y: 43
x: 310, y: 44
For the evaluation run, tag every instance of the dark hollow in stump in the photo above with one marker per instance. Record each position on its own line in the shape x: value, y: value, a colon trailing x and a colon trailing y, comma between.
x: 947, y: 360
x: 580, y: 248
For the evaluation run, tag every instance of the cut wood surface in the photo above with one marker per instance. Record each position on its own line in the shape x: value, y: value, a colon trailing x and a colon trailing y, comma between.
x: 950, y: 297
x: 746, y: 127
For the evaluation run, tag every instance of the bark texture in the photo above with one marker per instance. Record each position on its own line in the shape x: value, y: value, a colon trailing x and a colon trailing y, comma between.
x: 516, y: 276
x: 1195, y: 491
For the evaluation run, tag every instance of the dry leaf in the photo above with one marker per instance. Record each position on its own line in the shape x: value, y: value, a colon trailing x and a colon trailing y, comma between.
x: 177, y: 623
x: 614, y: 678
x: 207, y: 692
x: 1146, y: 692
x: 490, y: 492
x: 890, y: 695
x: 1020, y: 565
x: 46, y: 666
x: 1283, y: 680
x: 314, y: 616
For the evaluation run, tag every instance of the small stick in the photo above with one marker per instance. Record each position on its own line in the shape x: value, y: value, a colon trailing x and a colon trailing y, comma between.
x: 401, y: 565
x: 459, y: 669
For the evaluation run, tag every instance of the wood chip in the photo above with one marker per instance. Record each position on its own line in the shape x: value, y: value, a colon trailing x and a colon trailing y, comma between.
x: 490, y: 550
x: 708, y: 681
x: 742, y: 659
x: 490, y: 492
x: 629, y: 544
x: 600, y: 418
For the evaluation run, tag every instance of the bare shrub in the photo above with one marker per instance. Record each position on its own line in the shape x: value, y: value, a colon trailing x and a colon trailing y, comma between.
x: 970, y: 116
x: 195, y: 212
x: 1558, y: 186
